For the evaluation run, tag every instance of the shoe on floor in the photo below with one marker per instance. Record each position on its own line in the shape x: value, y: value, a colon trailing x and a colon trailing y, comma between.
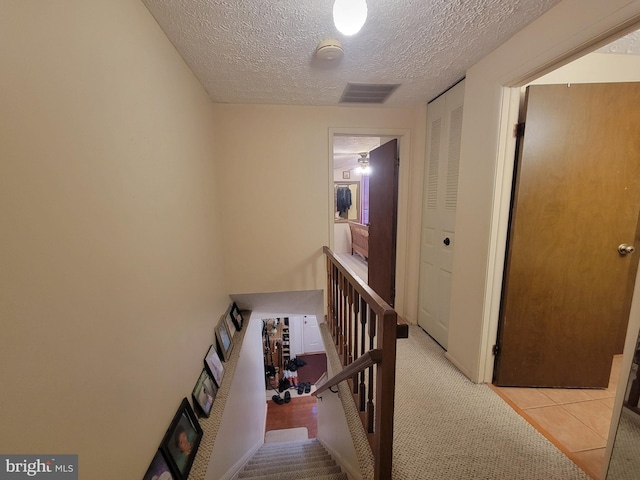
x: 278, y: 399
x: 287, y: 397
x: 307, y: 387
x: 300, y: 389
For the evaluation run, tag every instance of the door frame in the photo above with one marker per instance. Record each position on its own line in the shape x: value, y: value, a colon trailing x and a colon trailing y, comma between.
x: 403, y: 270
x: 509, y: 108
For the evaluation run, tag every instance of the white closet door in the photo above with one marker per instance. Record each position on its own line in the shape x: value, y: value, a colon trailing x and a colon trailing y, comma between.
x: 444, y: 132
x: 311, y: 337
x: 296, y: 334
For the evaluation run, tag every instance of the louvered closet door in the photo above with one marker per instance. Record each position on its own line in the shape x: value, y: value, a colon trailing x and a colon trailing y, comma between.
x: 444, y: 131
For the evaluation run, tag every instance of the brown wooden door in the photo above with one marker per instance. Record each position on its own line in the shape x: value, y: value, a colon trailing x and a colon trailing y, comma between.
x: 567, y: 290
x: 383, y: 201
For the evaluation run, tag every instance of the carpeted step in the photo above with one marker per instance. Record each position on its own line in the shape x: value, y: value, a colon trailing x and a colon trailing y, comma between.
x: 293, y: 444
x: 289, y: 453
x: 291, y: 456
x: 331, y: 476
x: 287, y: 467
x: 300, y: 472
x: 288, y: 449
x: 292, y: 460
x: 267, y: 462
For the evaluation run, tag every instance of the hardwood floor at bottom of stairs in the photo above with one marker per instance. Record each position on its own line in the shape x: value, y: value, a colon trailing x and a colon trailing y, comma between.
x: 300, y: 412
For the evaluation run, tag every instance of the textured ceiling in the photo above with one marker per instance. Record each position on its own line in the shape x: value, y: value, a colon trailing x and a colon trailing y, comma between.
x: 627, y: 45
x: 261, y: 51
x: 346, y: 149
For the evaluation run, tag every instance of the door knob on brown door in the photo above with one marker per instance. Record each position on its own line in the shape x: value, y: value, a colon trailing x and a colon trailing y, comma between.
x: 446, y: 241
x: 624, y: 249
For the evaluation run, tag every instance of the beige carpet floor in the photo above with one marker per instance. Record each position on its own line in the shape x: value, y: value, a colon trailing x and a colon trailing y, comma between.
x: 448, y: 428
x: 625, y: 461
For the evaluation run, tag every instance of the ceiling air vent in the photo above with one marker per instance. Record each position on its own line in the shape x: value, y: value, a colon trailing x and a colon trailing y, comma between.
x: 367, y: 93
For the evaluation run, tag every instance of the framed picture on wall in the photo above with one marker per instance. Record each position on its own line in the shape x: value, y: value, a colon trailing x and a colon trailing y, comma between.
x: 180, y: 444
x: 236, y: 317
x: 159, y: 469
x: 214, y: 365
x: 228, y: 319
x: 204, y: 393
x: 225, y: 342
x: 346, y: 175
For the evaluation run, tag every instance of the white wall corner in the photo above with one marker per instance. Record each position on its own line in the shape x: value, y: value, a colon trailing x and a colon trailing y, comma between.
x: 352, y: 471
x: 239, y: 465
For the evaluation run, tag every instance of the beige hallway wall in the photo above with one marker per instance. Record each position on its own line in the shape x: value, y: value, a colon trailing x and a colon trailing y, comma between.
x: 595, y: 68
x: 275, y: 182
x: 110, y: 247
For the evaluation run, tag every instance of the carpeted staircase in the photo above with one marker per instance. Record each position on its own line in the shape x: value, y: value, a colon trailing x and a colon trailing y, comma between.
x: 293, y: 460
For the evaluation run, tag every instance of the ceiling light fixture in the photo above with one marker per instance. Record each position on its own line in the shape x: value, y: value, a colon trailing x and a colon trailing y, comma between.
x: 363, y: 167
x: 349, y: 15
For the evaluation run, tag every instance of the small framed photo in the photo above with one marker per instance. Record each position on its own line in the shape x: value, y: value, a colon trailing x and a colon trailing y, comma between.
x: 224, y: 340
x: 231, y: 327
x: 204, y: 393
x: 214, y: 365
x: 236, y: 317
x: 180, y: 444
x: 158, y: 470
x: 346, y: 175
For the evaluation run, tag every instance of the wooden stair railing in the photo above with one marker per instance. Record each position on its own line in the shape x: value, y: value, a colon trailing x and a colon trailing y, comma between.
x: 369, y: 359
x: 364, y: 329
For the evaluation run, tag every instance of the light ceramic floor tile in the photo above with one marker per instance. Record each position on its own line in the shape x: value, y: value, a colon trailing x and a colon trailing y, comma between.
x: 565, y: 395
x: 600, y: 394
x: 591, y: 461
x: 568, y: 433
x: 526, y: 397
x: 594, y: 414
x: 566, y: 429
x: 609, y: 402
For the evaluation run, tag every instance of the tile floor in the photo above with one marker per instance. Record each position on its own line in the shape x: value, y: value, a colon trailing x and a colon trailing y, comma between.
x: 575, y: 420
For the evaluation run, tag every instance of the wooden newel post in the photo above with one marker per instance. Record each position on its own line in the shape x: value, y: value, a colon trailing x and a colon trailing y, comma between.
x: 385, y: 395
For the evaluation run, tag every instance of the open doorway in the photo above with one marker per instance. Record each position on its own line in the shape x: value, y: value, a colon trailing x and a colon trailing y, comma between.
x: 365, y: 176
x: 578, y: 420
x: 349, y: 155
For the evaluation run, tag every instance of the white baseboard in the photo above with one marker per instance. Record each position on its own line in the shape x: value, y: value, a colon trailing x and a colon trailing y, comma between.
x: 239, y: 465
x: 466, y: 372
x: 235, y: 469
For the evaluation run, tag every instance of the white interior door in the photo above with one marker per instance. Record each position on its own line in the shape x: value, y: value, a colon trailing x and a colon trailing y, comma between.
x: 312, y: 340
x: 296, y: 327
x: 444, y: 132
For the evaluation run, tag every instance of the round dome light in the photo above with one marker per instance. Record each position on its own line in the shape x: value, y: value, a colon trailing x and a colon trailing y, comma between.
x: 349, y: 15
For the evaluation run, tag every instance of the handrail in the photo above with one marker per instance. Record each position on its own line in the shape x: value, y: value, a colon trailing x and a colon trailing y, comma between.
x: 366, y: 292
x: 370, y: 358
x: 369, y: 295
x: 364, y: 329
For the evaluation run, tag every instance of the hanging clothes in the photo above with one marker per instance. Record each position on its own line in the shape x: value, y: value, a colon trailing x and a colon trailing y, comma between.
x: 343, y: 199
